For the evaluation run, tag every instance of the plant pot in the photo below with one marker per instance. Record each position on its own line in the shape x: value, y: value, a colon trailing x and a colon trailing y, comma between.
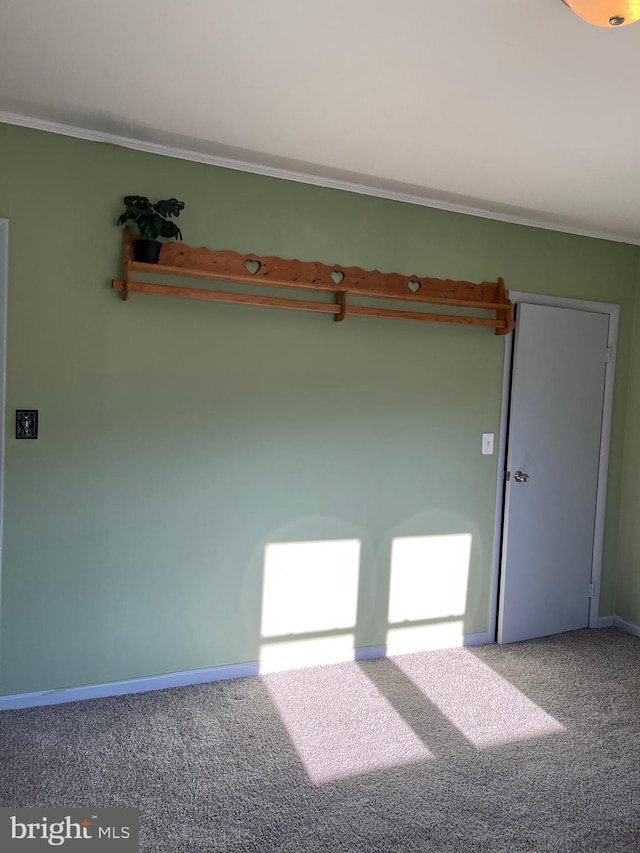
x: 147, y: 251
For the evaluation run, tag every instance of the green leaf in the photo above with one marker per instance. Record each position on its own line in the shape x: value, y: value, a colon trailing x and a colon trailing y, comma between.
x: 151, y: 218
x: 169, y: 207
x: 137, y: 202
x: 150, y: 228
x: 170, y: 230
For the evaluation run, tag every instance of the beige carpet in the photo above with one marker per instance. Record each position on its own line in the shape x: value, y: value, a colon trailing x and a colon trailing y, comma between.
x: 530, y: 747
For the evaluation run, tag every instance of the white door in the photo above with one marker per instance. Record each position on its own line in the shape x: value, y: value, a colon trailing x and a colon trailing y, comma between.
x: 553, y: 456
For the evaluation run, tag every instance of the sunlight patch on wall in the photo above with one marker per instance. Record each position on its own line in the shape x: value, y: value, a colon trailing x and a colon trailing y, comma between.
x: 428, y: 584
x: 309, y: 603
x: 340, y: 724
x: 486, y: 708
x: 298, y: 653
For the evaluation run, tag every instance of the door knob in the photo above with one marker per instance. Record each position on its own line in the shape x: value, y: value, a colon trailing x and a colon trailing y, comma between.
x: 520, y: 477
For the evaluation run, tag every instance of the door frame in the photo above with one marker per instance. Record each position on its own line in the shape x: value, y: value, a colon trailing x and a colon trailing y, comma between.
x: 613, y: 310
x: 4, y: 284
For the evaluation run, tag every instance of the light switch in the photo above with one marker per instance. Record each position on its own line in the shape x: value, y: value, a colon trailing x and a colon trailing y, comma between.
x: 26, y: 423
x: 487, y: 444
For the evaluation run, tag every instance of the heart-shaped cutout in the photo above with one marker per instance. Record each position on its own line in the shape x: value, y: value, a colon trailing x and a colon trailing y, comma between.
x: 253, y: 266
x: 337, y: 276
x: 414, y: 286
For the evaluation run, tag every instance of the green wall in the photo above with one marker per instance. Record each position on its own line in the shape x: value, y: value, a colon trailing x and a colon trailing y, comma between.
x: 627, y: 600
x: 179, y: 438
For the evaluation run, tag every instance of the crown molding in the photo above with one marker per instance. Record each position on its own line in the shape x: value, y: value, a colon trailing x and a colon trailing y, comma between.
x: 302, y: 177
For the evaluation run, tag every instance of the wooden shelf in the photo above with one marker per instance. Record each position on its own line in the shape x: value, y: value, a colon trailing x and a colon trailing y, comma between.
x: 179, y: 260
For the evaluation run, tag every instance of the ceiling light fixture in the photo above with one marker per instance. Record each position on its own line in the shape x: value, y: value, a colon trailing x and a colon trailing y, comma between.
x: 606, y: 13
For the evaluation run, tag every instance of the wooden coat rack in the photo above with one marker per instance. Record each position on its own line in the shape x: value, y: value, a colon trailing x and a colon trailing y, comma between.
x: 177, y: 259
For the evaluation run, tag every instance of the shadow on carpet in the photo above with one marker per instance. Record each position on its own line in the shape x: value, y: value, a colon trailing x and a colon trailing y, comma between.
x: 528, y: 747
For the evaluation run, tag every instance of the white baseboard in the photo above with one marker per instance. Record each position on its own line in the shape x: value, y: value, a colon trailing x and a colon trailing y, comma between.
x: 370, y: 652
x: 134, y: 685
x: 628, y: 627
x: 188, y: 677
x: 617, y: 622
x: 477, y: 639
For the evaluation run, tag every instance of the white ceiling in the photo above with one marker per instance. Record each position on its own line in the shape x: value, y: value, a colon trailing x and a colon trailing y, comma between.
x: 515, y: 107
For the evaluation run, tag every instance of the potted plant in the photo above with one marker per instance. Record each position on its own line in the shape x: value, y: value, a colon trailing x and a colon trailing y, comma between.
x: 153, y: 221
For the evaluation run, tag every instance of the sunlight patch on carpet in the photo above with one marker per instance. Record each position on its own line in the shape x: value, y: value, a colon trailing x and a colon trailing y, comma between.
x: 485, y: 708
x: 340, y: 724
